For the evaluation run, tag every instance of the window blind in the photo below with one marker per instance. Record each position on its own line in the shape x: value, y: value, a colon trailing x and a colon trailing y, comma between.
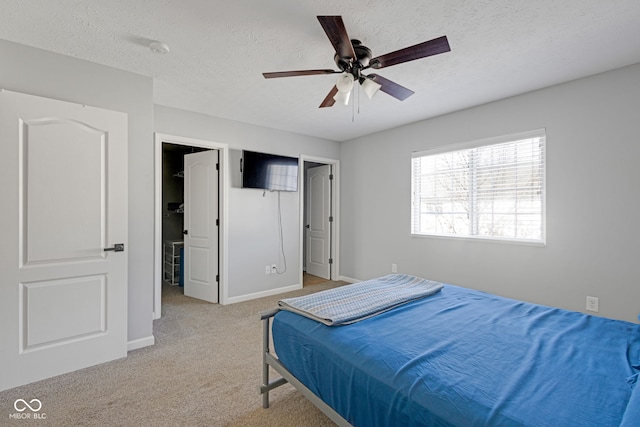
x: 494, y: 190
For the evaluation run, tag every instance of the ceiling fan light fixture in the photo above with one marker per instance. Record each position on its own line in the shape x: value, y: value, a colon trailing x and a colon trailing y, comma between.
x: 345, y: 82
x: 342, y: 97
x: 370, y: 87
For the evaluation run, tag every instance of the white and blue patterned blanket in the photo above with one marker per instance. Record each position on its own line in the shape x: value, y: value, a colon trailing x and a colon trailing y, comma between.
x: 352, y: 303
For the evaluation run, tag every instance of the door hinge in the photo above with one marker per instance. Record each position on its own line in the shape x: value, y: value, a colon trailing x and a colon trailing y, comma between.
x: 330, y: 219
x: 217, y: 166
x: 331, y: 176
x: 330, y: 260
x: 217, y: 222
x: 217, y: 277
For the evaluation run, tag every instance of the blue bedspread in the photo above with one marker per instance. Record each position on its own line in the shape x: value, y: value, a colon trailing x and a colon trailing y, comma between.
x: 349, y: 304
x: 467, y: 358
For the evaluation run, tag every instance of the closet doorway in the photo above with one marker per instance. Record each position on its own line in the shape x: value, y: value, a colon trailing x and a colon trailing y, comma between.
x: 190, y: 226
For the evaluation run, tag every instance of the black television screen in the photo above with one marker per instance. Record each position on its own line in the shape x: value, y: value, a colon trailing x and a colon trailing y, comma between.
x: 269, y: 171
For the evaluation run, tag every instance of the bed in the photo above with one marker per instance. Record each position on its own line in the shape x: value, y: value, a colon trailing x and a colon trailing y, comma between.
x: 458, y: 357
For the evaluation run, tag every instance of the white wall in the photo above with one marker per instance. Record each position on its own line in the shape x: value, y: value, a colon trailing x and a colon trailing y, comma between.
x: 593, y: 199
x: 37, y: 72
x: 253, y: 224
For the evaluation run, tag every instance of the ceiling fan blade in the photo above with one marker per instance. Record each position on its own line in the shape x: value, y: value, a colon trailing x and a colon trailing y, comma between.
x: 334, y: 28
x: 391, y: 88
x: 421, y: 50
x: 329, y: 101
x: 298, y: 73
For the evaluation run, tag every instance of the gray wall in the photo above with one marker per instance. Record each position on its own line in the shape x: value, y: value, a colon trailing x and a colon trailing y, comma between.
x: 593, y: 199
x: 37, y: 72
x: 253, y: 221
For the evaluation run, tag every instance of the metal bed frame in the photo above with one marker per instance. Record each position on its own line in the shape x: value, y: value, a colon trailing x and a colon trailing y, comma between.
x: 268, y: 359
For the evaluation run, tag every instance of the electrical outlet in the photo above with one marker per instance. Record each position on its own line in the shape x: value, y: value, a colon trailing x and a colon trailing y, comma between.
x: 592, y: 304
x: 274, y: 269
x: 394, y: 268
x: 267, y: 269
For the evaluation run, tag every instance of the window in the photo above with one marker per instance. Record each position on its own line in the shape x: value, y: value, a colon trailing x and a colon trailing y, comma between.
x: 492, y: 189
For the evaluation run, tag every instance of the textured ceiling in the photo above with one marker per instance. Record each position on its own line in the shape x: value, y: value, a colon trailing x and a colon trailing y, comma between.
x: 219, y: 49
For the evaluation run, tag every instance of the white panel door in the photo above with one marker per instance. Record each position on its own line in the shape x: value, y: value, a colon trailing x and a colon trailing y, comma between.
x: 63, y: 298
x: 318, y: 226
x: 201, y: 225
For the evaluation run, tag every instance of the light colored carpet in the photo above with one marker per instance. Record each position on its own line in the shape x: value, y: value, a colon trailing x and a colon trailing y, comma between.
x: 204, y: 370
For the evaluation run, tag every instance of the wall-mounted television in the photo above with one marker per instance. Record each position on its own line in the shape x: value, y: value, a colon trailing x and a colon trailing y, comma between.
x: 269, y: 171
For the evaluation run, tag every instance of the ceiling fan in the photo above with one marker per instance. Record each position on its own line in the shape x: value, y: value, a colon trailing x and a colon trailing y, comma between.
x: 352, y: 58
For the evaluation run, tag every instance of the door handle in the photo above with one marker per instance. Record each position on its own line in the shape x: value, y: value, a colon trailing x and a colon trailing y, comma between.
x: 306, y: 226
x: 185, y: 232
x: 118, y: 247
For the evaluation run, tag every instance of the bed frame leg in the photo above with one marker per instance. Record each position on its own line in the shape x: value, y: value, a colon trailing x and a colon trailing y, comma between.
x: 264, y: 389
x: 265, y: 366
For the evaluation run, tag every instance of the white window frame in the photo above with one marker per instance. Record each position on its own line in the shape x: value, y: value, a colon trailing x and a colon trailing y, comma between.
x: 415, y: 196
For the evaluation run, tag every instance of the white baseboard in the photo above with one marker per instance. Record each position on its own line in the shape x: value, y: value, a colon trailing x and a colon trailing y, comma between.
x: 241, y: 298
x: 349, y: 279
x: 140, y: 343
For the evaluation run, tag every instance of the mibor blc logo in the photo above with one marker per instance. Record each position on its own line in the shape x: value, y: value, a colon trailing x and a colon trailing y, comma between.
x: 28, y: 410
